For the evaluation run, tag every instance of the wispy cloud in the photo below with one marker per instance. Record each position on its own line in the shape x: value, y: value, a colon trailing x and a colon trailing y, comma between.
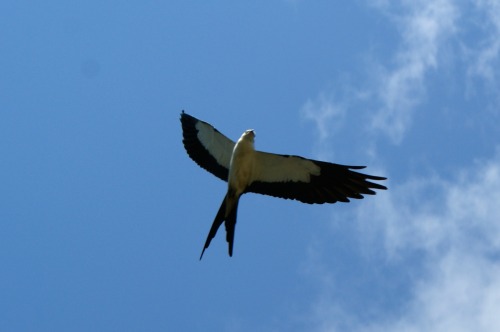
x: 327, y: 116
x: 462, y: 293
x: 398, y: 86
x: 430, y: 32
x: 438, y: 214
x: 321, y: 111
x: 486, y: 53
x: 451, y: 222
x: 456, y: 229
x: 424, y: 26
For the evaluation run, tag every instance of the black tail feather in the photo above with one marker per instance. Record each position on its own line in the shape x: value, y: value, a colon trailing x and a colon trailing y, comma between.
x: 219, y: 219
x: 230, y: 227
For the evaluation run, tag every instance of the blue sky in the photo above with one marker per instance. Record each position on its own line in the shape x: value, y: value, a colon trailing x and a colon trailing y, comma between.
x: 104, y: 216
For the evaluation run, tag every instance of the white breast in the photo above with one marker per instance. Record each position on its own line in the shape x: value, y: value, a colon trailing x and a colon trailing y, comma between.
x: 241, y: 166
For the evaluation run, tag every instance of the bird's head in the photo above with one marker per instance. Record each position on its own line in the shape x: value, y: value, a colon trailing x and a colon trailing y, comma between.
x: 249, y: 135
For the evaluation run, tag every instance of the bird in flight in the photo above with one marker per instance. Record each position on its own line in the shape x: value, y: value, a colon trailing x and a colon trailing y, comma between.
x: 247, y: 170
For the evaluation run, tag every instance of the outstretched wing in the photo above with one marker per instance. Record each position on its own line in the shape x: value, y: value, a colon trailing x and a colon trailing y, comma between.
x: 309, y: 181
x: 207, y: 146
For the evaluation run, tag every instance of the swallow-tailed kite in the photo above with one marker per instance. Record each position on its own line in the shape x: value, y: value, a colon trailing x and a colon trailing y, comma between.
x: 248, y: 170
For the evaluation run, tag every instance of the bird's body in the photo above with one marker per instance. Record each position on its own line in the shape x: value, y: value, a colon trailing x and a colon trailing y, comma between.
x: 240, y: 176
x: 248, y: 170
x: 242, y: 163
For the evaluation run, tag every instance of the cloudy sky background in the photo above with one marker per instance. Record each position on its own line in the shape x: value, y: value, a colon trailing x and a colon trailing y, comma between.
x: 103, y: 214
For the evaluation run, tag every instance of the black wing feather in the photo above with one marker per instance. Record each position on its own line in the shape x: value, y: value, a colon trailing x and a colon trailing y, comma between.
x: 335, y: 183
x: 197, y: 151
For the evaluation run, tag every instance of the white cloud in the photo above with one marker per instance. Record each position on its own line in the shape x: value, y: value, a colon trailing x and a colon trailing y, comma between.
x: 451, y: 222
x: 425, y: 27
x: 398, y: 87
x: 486, y: 53
x: 431, y: 35
x: 455, y: 225
x: 327, y: 116
x: 462, y: 293
x: 321, y: 111
x: 438, y: 214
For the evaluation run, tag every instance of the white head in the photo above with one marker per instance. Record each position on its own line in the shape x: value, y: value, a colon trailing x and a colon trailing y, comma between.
x: 248, y: 135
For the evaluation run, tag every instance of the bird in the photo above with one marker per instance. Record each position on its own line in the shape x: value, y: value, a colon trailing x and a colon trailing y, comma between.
x: 247, y: 170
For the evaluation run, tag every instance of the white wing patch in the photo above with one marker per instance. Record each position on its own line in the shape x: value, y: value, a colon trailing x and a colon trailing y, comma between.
x: 218, y: 145
x: 269, y: 167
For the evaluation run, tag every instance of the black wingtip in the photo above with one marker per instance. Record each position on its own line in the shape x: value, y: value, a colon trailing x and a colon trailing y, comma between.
x: 185, y: 116
x: 187, y: 119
